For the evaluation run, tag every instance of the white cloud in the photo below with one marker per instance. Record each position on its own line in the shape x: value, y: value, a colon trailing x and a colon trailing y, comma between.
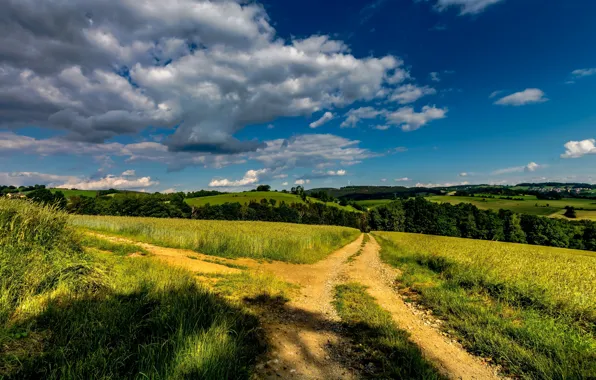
x: 129, y: 172
x: 110, y: 182
x: 302, y: 181
x: 383, y: 179
x: 399, y: 149
x: 576, y: 149
x: 404, y: 179
x: 467, y: 6
x: 495, y: 93
x: 353, y: 116
x: 251, y: 177
x: 409, y: 93
x: 381, y: 127
x: 463, y: 174
x: 531, y: 167
x: 280, y: 176
x: 32, y: 178
x: 527, y: 96
x: 579, y: 73
x: 336, y: 173
x: 171, y: 190
x: 434, y: 76
x: 284, y: 184
x: 410, y: 120
x: 270, y: 126
x: 226, y: 68
x: 447, y: 184
x: 327, y: 116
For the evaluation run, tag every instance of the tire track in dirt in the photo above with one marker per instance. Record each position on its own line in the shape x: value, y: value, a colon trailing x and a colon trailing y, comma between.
x: 304, y: 335
x: 449, y: 357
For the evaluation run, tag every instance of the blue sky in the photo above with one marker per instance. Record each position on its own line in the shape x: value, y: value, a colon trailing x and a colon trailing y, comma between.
x: 228, y: 95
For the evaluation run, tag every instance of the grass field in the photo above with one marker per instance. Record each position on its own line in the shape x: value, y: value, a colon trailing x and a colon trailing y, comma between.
x: 256, y: 196
x: 532, y: 309
x: 370, y: 203
x: 71, y: 193
x: 527, y: 206
x: 67, y: 311
x: 259, y: 240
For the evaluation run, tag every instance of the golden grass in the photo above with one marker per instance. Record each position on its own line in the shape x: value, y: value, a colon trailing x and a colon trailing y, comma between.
x: 259, y: 240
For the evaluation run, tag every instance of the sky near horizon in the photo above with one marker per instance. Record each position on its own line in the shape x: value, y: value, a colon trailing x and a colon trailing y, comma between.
x: 177, y: 96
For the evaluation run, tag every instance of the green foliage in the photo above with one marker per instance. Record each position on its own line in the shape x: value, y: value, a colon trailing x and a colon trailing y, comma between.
x: 259, y: 240
x: 47, y: 197
x: 263, y: 188
x: 384, y: 344
x: 418, y: 215
x: 529, y: 308
x: 65, y: 313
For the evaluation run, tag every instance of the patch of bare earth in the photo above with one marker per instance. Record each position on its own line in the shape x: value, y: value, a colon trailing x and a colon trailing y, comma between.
x: 448, y: 356
x: 304, y: 335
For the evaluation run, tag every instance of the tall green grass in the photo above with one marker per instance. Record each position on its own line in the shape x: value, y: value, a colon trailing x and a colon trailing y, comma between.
x: 260, y: 240
x: 68, y: 313
x: 530, y: 308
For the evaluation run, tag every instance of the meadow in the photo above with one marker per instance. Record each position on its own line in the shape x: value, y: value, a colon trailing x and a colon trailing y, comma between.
x: 68, y: 311
x: 81, y: 193
x: 370, y: 203
x: 527, y: 206
x: 258, y: 240
x: 531, y: 309
x: 257, y: 196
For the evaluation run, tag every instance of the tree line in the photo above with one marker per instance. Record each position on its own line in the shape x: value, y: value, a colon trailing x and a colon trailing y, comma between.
x: 418, y: 215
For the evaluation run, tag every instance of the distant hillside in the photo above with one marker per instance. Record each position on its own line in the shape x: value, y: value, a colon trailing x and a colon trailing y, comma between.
x: 256, y: 196
x: 359, y: 193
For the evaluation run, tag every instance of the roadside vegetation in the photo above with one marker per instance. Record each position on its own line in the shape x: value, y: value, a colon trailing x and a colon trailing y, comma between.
x: 68, y: 312
x: 384, y: 345
x: 258, y: 240
x: 531, y: 309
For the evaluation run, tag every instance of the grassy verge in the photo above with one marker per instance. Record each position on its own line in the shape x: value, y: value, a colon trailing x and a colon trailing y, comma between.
x: 68, y: 313
x: 515, y: 316
x: 383, y: 343
x: 353, y: 257
x: 259, y: 240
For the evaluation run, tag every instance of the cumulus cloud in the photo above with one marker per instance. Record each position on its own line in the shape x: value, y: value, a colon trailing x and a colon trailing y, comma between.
x: 467, y: 6
x: 403, y: 179
x: 302, y: 181
x: 251, y: 177
x: 530, y: 167
x: 319, y: 174
x: 410, y: 120
x: 409, y: 93
x: 464, y: 174
x: 93, y: 69
x: 383, y: 179
x: 284, y: 184
x: 327, y: 116
x: 129, y: 172
x: 579, y: 73
x: 434, y: 76
x: 576, y: 149
x: 110, y: 182
x: 527, y: 96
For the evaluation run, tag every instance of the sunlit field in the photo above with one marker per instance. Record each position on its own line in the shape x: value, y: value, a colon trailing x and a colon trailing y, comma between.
x: 259, y: 240
x: 68, y: 311
x: 531, y: 308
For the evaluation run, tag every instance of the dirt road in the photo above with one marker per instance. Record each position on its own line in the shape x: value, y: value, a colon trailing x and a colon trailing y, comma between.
x: 304, y: 336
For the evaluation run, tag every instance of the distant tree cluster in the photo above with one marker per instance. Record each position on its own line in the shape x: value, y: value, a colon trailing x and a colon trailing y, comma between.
x: 202, y: 193
x: 132, y: 204
x: 465, y: 220
x: 46, y: 197
x: 21, y: 189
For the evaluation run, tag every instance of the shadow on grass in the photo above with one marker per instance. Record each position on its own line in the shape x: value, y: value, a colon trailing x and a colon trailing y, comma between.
x: 363, y: 350
x: 154, y: 331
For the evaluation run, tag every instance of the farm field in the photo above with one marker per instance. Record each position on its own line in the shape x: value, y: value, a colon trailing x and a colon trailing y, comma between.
x: 71, y: 193
x: 256, y: 196
x: 370, y: 203
x: 530, y: 308
x: 525, y: 207
x: 258, y: 240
